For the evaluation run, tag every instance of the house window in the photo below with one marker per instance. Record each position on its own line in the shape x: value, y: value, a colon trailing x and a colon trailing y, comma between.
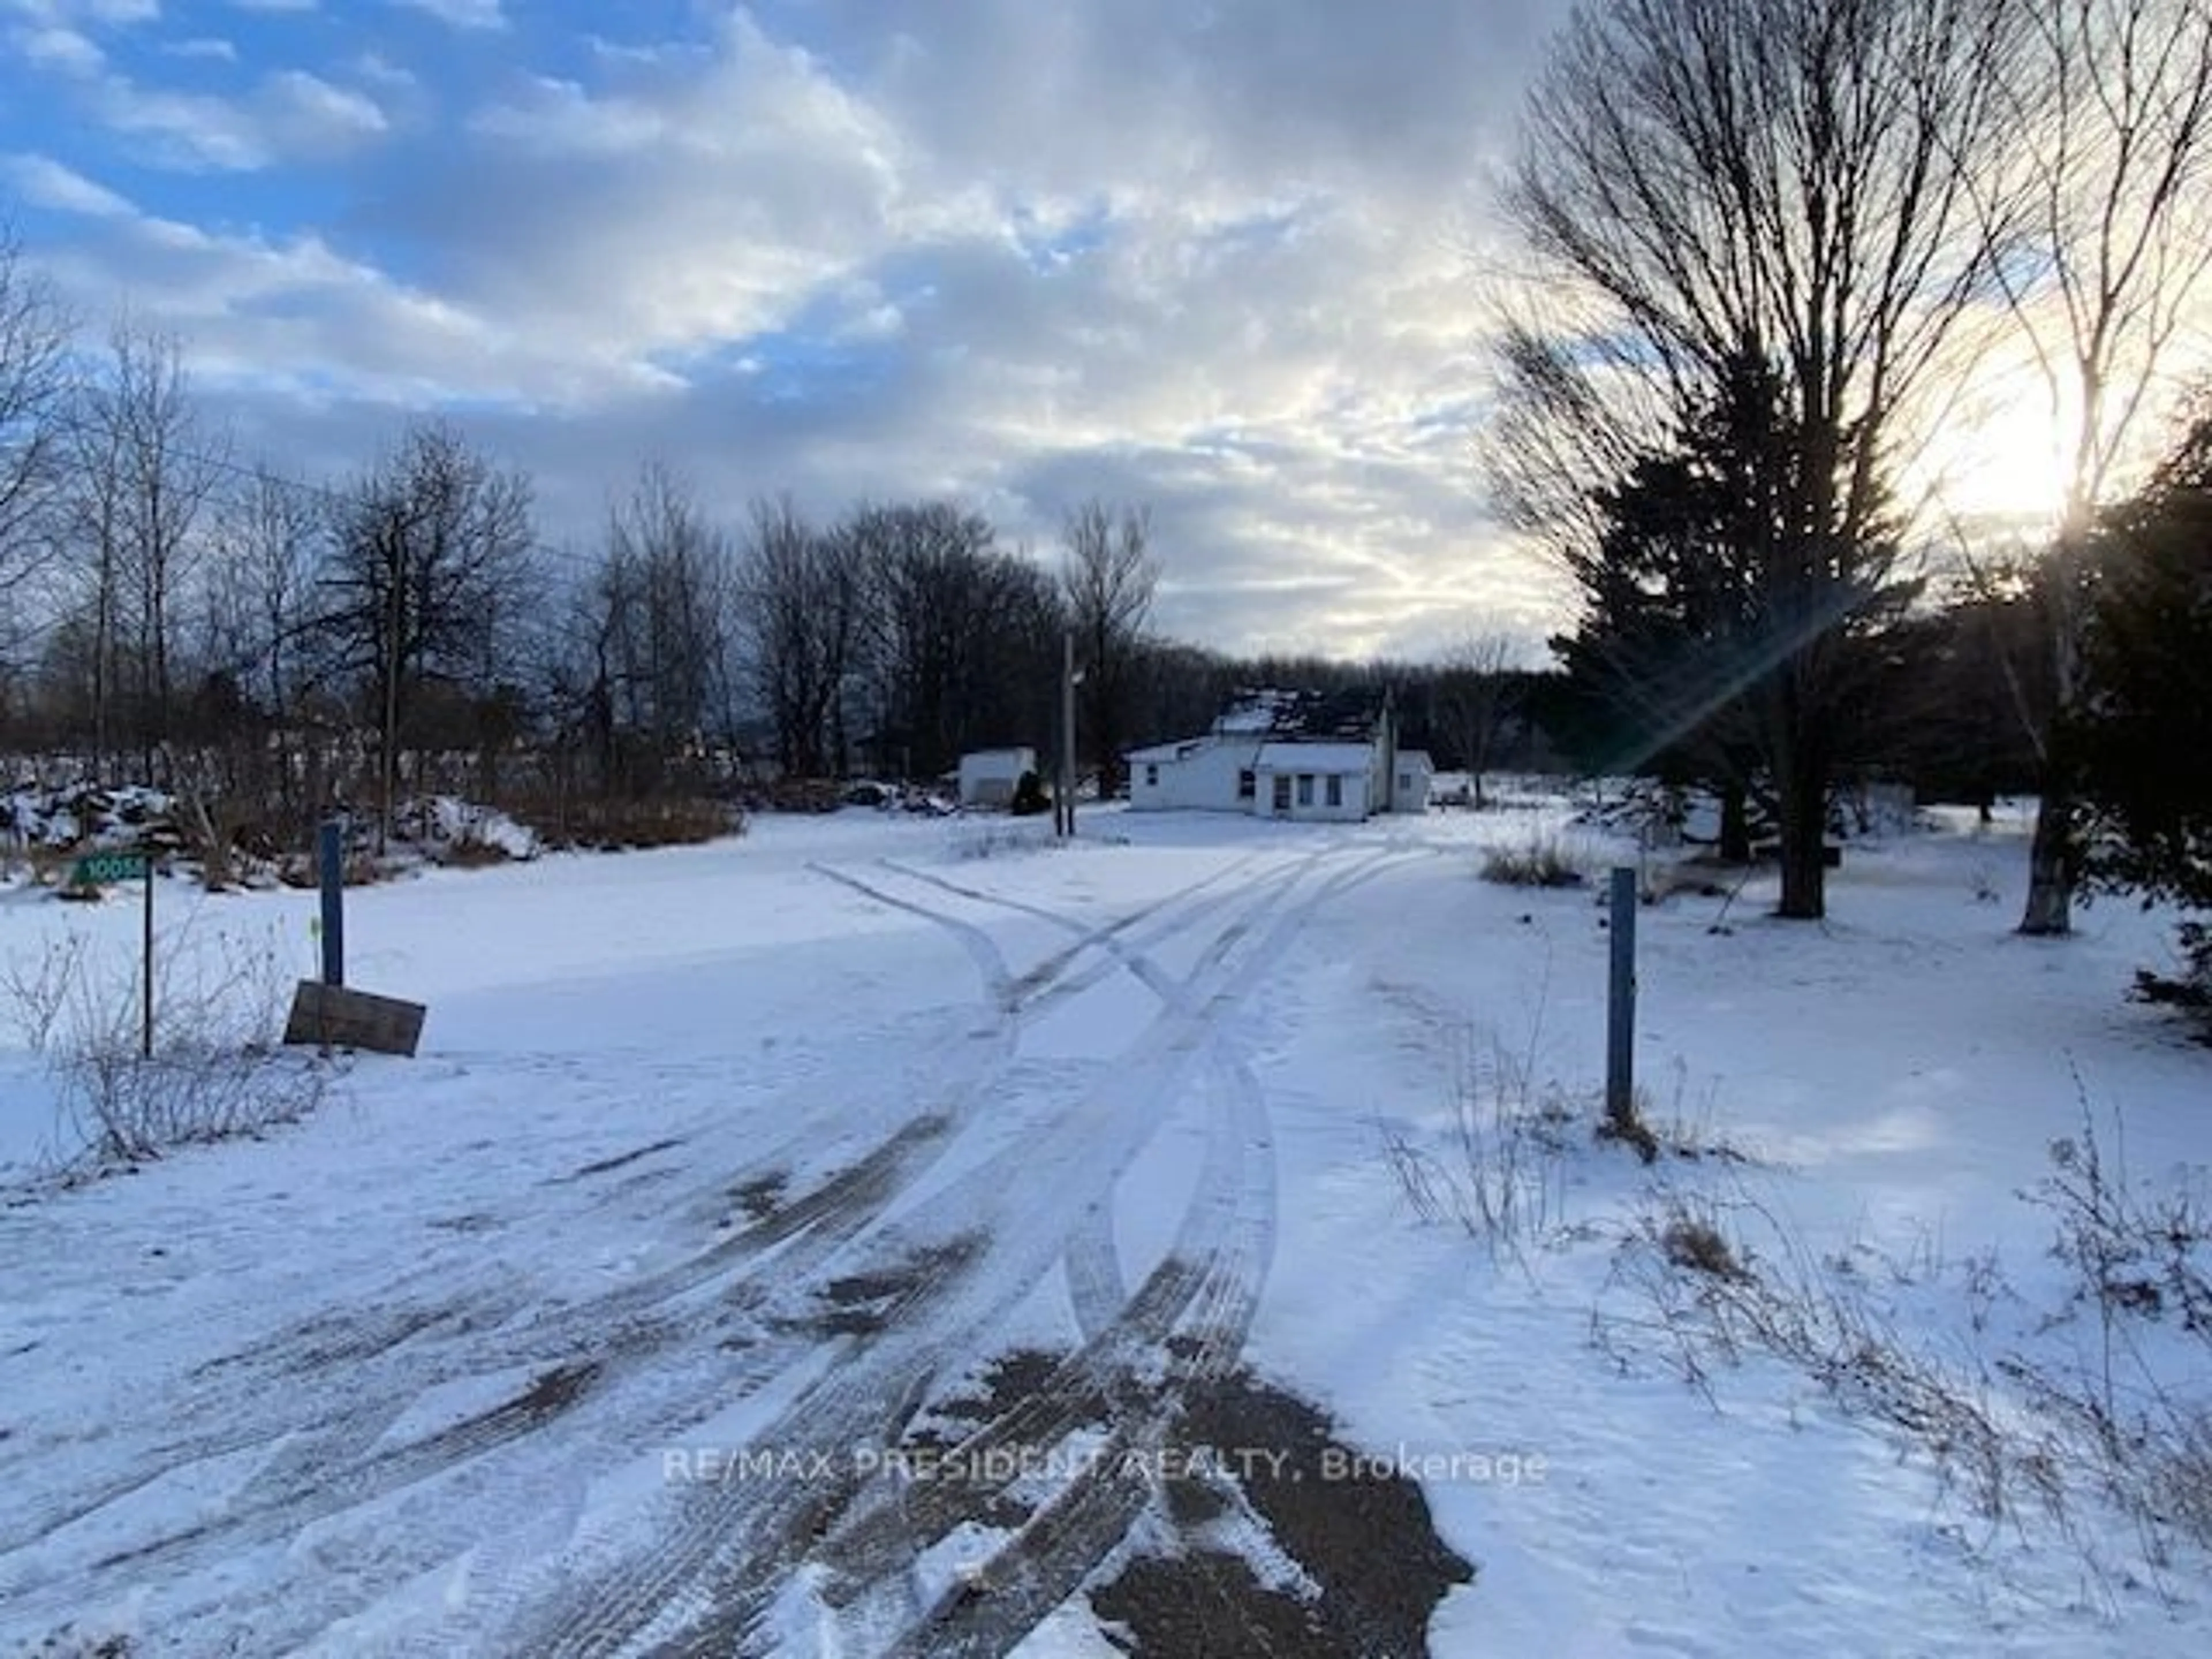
x: 1282, y: 792
x: 1151, y: 776
x: 1406, y: 783
x: 1336, y: 792
x: 1246, y: 784
x: 1305, y: 789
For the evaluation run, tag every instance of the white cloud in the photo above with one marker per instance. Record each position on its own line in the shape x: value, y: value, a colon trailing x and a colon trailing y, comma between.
x: 461, y: 14
x: 43, y: 182
x: 721, y: 198
x: 205, y: 47
x: 379, y: 71
x: 1020, y: 253
x: 290, y: 117
x: 85, y: 13
x: 59, y: 51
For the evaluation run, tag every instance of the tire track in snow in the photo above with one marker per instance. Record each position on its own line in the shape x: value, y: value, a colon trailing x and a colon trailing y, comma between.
x: 316, y: 1451
x: 341, y: 1487
x: 1218, y: 1258
x: 1218, y: 1265
x: 1218, y: 1286
x: 723, y: 1549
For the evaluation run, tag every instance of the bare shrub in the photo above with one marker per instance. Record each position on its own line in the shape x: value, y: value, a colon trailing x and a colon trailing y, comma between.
x: 126, y: 1107
x: 1539, y: 860
x: 1694, y: 1242
x: 1713, y: 1278
x: 600, y: 824
x: 39, y: 989
x: 213, y: 1071
x: 473, y: 850
x: 1503, y: 1178
x: 991, y: 841
x: 1629, y: 1126
x: 2137, y: 1258
x: 2126, y: 1417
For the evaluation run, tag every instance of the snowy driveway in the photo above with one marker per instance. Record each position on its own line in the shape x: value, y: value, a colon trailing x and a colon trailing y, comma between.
x: 421, y: 1382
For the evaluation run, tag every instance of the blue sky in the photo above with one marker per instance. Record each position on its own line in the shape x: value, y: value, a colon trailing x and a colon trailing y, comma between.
x: 1217, y: 258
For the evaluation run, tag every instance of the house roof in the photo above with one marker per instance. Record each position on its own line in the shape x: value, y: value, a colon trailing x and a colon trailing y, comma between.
x: 1419, y: 755
x: 1316, y: 757
x: 1346, y: 715
x: 1273, y: 714
x: 1165, y: 751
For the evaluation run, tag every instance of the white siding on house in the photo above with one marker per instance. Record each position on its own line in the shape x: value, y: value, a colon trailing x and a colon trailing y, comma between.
x: 1232, y: 770
x: 1417, y: 772
x: 1197, y: 775
x: 1306, y: 771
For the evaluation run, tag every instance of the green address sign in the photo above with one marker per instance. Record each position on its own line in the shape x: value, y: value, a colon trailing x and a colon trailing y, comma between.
x: 99, y: 868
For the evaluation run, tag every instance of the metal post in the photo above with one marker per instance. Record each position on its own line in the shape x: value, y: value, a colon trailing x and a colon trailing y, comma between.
x: 1620, y: 1006
x: 333, y: 874
x: 146, y: 1012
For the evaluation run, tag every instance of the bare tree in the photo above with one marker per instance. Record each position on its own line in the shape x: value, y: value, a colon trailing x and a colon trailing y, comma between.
x: 1714, y: 188
x: 269, y: 538
x: 1473, y: 700
x: 170, y: 465
x: 429, y: 565
x: 801, y: 615
x: 963, y: 638
x: 142, y: 471
x: 2107, y: 204
x: 93, y: 528
x: 35, y: 390
x: 1108, y: 577
x: 661, y: 592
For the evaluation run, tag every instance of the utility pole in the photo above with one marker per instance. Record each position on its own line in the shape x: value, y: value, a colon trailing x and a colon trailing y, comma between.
x: 392, y: 660
x: 1064, y: 804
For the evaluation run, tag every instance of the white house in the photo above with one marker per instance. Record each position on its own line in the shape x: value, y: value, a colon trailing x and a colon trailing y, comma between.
x: 1287, y: 754
x: 987, y: 776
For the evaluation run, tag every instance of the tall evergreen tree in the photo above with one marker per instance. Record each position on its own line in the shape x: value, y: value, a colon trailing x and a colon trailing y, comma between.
x: 2139, y: 739
x: 1711, y: 646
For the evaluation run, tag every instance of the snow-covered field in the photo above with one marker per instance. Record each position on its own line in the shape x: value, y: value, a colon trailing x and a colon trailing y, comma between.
x: 629, y: 1316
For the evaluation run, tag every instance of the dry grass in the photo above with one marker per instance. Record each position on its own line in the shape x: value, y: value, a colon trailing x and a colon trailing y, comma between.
x: 214, y: 1070
x: 1504, y: 1176
x: 1540, y: 860
x: 2118, y: 1414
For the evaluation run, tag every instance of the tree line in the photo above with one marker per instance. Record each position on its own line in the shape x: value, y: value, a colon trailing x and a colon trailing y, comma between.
x: 199, y: 622
x: 270, y: 646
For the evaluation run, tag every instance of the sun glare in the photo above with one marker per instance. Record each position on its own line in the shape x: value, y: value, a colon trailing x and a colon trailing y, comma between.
x: 1998, y: 462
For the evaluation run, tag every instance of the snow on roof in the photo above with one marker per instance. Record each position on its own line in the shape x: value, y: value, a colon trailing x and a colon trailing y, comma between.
x: 1317, y: 757
x: 1345, y: 714
x: 1253, y: 712
x: 1418, y: 756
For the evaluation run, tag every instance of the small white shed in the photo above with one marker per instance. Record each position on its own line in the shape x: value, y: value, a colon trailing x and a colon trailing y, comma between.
x: 987, y: 776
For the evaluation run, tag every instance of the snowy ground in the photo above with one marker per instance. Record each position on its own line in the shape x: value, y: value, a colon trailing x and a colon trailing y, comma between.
x: 625, y: 1316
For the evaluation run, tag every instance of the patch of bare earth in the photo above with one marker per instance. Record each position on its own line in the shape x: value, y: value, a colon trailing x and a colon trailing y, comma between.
x: 1360, y: 1532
